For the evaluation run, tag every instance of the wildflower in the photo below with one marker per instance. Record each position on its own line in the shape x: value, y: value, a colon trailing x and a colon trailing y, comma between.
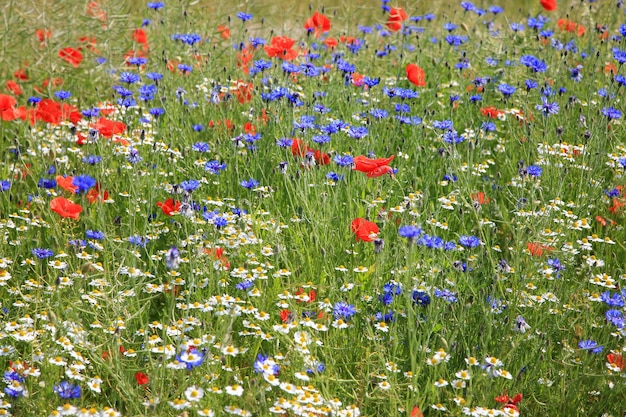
x: 170, y: 206
x: 191, y: 358
x: 194, y: 394
x: 416, y: 75
x: 506, y: 90
x: 548, y: 5
x: 66, y: 390
x: 396, y: 16
x: 141, y: 378
x: 611, y: 113
x: 364, y: 230
x: 318, y: 24
x: 249, y: 183
x: 469, y: 241
x: 446, y: 295
x: 343, y: 310
x: 521, y: 325
x: 590, y: 345
x: 420, y: 298
x: 172, y: 258
x: 548, y: 108
x: 65, y: 208
x: 71, y: 56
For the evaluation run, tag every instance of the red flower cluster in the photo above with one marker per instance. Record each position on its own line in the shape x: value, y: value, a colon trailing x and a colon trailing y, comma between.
x: 364, y: 230
x: 396, y: 16
x: 416, y: 75
x: 373, y: 167
x: 301, y: 149
x: 281, y: 47
x: 318, y: 24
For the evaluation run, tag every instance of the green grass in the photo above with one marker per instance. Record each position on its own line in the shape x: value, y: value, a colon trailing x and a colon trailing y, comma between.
x: 99, y: 311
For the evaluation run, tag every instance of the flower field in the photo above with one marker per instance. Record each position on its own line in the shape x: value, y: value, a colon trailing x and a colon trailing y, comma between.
x: 370, y: 209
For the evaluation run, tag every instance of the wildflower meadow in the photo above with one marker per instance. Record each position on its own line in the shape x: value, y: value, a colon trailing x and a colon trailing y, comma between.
x: 292, y: 209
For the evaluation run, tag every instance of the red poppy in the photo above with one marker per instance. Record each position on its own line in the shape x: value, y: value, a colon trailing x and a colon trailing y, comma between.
x: 331, y: 43
x: 480, y: 198
x: 280, y: 46
x: 73, y: 56
x: 380, y: 171
x: 243, y: 60
x: 538, y: 249
x: 312, y: 294
x: 170, y: 206
x: 218, y: 255
x: 95, y: 10
x: 7, y: 107
x: 14, y: 87
x: 570, y: 26
x: 224, y: 31
x: 364, y: 230
x: 616, y: 360
x: 491, y: 112
x: 365, y: 164
x: 43, y: 34
x: 357, y: 79
x: 618, y: 205
x: 321, y: 158
x: 108, y: 128
x: 20, y: 74
x: 141, y: 378
x: 416, y: 75
x: 244, y: 91
x: 139, y: 36
x: 286, y: 316
x: 318, y: 23
x: 548, y: 5
x: 65, y: 208
x: 298, y: 147
x: 94, y: 195
x: 416, y: 412
x: 66, y: 183
x: 396, y: 16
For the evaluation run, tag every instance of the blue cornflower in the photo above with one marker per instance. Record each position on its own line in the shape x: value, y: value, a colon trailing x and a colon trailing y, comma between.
x: 138, y: 240
x: 154, y: 76
x: 343, y: 310
x: 516, y: 27
x: 137, y: 61
x: 451, y: 136
x: 244, y: 285
x: 343, y: 160
x: 402, y: 108
x: 94, y: 234
x: 220, y: 222
x: 185, y: 68
x: 446, y: 295
x: 615, y: 317
x: 408, y: 120
x: 333, y: 176
x: 506, y: 89
x: 34, y: 100
x: 5, y: 185
x: 156, y: 111
x: 63, y: 95
x: 357, y: 132
x: 379, y: 113
x: 548, y: 107
x: 556, y: 264
x: 201, y: 147
x: 455, y: 40
x: 244, y: 16
x: 14, y: 389
x: 613, y: 300
x: 305, y: 122
x: 249, y: 183
x: 410, y: 232
x: 495, y: 10
x: 257, y: 42
x: 488, y: 126
x: 66, y: 390
x: 133, y: 156
x: 590, y: 345
x: 47, y: 183
x: 321, y: 139
x: 468, y: 6
x: 92, y: 159
x: 469, y: 241
x: 191, y: 357
x: 42, y: 253
x: 214, y: 167
x: 156, y: 5
x: 129, y: 77
x: 532, y: 170
x: 443, y: 124
x: 264, y: 365
x: 420, y: 298
x: 611, y: 113
x: 531, y: 84
x: 84, y: 183
x: 534, y: 63
x: 450, y: 27
x: 190, y: 185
